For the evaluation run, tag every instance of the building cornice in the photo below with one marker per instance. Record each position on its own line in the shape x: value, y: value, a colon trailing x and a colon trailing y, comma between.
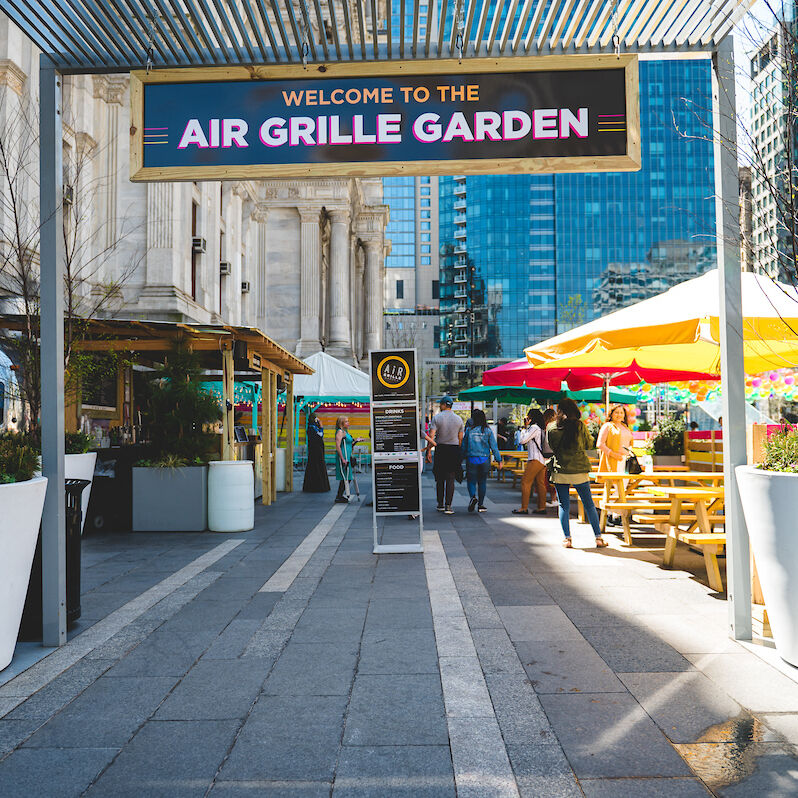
x: 12, y: 76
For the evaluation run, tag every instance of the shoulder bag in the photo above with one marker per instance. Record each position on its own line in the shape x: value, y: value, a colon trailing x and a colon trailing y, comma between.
x: 632, y: 463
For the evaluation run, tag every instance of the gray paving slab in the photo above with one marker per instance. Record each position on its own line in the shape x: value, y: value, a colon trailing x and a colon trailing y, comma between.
x: 397, y: 613
x: 785, y: 724
x: 481, y: 613
x: 753, y: 683
x: 168, y: 759
x: 105, y: 715
x: 396, y: 710
x: 465, y: 693
x: 288, y: 738
x: 519, y: 711
x: 405, y: 651
x: 644, y: 788
x: 610, y: 735
x: 481, y: 766
x: 517, y: 592
x: 233, y: 641
x: 14, y: 732
x: 689, y: 707
x: 330, y: 625
x: 51, y: 773
x: 313, y: 669
x: 496, y: 652
x: 542, y: 770
x: 734, y: 770
x: 61, y: 690
x: 537, y: 623
x: 271, y: 789
x: 417, y: 771
x: 164, y: 653
x: 216, y: 690
x: 633, y: 650
x: 566, y: 666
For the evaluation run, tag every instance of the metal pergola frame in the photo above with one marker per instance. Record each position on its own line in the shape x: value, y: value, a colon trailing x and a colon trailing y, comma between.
x: 99, y: 36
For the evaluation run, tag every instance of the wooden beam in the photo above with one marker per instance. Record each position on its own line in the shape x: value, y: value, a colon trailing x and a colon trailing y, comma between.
x: 125, y: 345
x: 265, y: 393
x: 273, y: 411
x: 289, y: 436
x: 228, y: 404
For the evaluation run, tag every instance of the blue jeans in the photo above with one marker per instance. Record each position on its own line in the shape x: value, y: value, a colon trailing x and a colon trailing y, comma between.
x: 564, y: 497
x: 477, y: 478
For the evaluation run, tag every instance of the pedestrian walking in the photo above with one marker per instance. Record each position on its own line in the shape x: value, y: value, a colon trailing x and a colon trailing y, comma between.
x: 446, y: 431
x: 479, y: 443
x: 316, y: 479
x: 344, y: 444
x: 569, y: 440
x: 535, y: 470
x: 504, y: 435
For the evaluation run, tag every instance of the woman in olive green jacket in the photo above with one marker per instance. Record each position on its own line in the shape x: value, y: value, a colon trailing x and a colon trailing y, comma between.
x: 569, y: 440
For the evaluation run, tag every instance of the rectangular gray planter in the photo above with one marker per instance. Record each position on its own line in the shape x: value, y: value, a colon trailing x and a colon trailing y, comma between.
x: 170, y: 499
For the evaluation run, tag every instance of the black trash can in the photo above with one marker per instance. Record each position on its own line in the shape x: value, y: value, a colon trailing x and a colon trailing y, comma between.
x: 31, y: 626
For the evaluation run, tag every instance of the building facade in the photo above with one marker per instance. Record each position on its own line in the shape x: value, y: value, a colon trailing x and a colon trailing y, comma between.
x: 524, y: 257
x: 303, y: 260
x: 773, y: 138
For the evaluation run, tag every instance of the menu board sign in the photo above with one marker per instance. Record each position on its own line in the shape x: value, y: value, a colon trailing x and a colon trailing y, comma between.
x: 395, y: 429
x: 393, y: 376
x: 396, y: 486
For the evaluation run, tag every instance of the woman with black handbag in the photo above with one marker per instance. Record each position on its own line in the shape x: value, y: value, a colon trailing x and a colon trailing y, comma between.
x: 569, y: 467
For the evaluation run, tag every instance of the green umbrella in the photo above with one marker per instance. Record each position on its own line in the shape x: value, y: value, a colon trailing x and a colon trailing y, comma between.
x: 524, y: 396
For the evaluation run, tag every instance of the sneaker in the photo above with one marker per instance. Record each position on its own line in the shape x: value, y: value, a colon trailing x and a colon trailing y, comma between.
x: 448, y: 511
x: 342, y: 500
x: 472, y: 505
x: 552, y: 504
x: 540, y: 512
x: 482, y: 508
x: 440, y: 508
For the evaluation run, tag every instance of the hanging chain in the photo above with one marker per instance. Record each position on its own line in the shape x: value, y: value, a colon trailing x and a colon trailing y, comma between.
x: 616, y: 39
x: 305, y: 44
x: 150, y: 49
x: 458, y: 42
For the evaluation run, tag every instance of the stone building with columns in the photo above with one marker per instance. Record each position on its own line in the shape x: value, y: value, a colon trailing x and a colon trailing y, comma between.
x: 303, y: 260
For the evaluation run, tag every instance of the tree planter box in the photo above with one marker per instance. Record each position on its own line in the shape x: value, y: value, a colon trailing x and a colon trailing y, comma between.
x: 770, y: 506
x: 22, y: 504
x: 81, y: 466
x: 170, y: 499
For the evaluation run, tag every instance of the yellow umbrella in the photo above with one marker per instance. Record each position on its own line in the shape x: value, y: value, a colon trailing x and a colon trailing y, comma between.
x: 680, y: 330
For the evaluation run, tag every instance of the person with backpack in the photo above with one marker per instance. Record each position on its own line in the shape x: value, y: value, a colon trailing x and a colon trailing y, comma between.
x: 569, y: 440
x: 535, y: 470
x: 479, y: 443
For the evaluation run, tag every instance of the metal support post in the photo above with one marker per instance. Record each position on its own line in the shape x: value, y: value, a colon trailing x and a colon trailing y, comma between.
x: 289, y: 435
x: 51, y: 260
x: 732, y: 368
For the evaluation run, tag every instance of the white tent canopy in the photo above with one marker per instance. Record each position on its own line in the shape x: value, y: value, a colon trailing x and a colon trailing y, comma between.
x: 332, y: 380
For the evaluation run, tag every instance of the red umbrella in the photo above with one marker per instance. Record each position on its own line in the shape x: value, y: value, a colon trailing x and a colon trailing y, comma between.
x: 519, y: 372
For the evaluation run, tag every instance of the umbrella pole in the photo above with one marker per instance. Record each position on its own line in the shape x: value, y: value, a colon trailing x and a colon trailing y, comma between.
x: 607, y: 396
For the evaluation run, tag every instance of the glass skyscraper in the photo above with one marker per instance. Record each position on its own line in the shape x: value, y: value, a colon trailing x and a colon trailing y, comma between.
x: 523, y: 257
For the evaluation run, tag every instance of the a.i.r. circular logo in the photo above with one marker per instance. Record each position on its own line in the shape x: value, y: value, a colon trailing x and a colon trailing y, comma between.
x: 393, y: 371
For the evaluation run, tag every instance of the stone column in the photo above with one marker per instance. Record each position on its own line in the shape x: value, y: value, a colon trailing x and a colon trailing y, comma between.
x: 259, y: 217
x: 339, y: 286
x: 310, y: 286
x: 374, y: 291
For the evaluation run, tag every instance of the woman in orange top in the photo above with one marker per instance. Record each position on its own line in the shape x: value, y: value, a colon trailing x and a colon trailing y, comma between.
x: 614, y: 440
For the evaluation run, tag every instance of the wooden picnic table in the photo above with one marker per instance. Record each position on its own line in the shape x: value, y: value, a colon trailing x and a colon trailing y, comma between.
x: 708, y: 507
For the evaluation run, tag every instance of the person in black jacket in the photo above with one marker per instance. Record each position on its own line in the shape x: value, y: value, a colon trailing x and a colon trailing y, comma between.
x: 316, y: 479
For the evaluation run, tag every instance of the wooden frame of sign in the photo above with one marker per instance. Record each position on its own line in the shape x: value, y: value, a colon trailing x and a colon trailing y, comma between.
x: 631, y: 161
x: 399, y: 458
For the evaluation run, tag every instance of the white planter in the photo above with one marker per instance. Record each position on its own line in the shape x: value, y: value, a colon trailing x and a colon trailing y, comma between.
x: 770, y: 506
x: 231, y: 486
x: 81, y: 466
x: 22, y: 504
x: 279, y: 468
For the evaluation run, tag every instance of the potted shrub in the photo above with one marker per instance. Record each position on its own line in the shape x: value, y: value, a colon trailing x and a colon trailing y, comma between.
x: 22, y: 500
x: 79, y: 463
x: 170, y: 490
x: 769, y: 497
x: 667, y: 445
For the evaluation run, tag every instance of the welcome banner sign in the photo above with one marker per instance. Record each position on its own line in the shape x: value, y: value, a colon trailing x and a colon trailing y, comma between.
x: 545, y: 114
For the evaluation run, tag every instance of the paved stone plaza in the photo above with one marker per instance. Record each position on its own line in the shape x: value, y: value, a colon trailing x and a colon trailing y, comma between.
x: 290, y: 661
